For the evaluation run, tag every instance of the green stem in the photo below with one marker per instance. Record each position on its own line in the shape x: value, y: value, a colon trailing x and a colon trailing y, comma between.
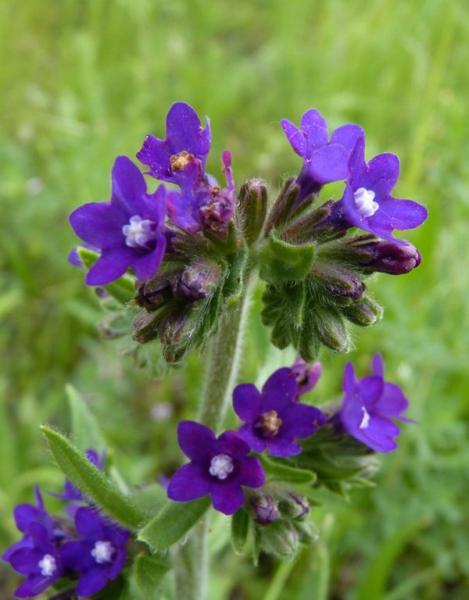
x: 191, y: 561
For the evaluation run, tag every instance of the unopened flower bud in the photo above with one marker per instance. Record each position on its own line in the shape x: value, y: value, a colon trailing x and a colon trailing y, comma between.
x: 319, y: 224
x: 252, y: 208
x: 265, y: 508
x: 306, y: 375
x: 307, y: 531
x: 145, y: 327
x: 389, y: 257
x: 294, y: 505
x: 283, y: 206
x: 366, y: 312
x: 198, y: 280
x: 371, y: 254
x: 152, y: 294
x: 281, y: 539
x: 331, y: 329
x: 345, y: 285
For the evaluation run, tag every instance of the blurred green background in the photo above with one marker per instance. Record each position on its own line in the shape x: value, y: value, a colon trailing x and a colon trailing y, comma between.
x: 83, y: 81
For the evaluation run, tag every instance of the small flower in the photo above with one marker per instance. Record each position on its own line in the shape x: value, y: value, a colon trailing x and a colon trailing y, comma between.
x: 181, y: 157
x: 99, y: 556
x: 369, y: 407
x: 274, y: 418
x: 306, y: 375
x: 218, y: 467
x: 39, y: 559
x: 202, y: 204
x: 128, y: 230
x: 367, y: 202
x: 37, y: 554
x: 325, y: 160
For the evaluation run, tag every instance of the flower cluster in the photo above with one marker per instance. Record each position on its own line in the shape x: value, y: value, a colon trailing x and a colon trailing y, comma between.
x: 312, y: 259
x: 274, y: 420
x: 81, y: 546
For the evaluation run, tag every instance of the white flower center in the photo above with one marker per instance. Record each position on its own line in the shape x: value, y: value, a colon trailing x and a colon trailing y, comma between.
x: 221, y: 466
x: 365, y: 202
x: 365, y: 419
x: 138, y: 232
x: 47, y: 565
x: 102, y: 552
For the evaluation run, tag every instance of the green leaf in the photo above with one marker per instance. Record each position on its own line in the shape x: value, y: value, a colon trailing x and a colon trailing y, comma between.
x: 150, y: 499
x: 281, y: 261
x: 172, y: 523
x: 123, y: 289
x: 149, y: 572
x: 86, y: 432
x: 239, y: 530
x: 92, y: 482
x: 280, y: 471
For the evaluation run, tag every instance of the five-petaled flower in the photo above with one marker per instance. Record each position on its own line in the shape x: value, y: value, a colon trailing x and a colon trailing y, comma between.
x: 219, y: 467
x: 128, y: 230
x: 370, y: 406
x: 367, y: 202
x: 274, y: 419
x: 99, y: 556
x: 325, y: 160
x: 37, y: 555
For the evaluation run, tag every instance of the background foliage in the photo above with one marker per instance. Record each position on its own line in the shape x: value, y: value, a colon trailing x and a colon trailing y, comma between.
x: 83, y: 82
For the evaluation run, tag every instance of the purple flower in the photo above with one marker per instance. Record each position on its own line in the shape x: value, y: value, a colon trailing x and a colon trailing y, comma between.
x: 39, y: 560
x: 369, y: 407
x: 181, y: 157
x: 367, y: 202
x: 128, y: 230
x: 274, y: 418
x: 218, y: 467
x: 204, y: 204
x: 37, y: 555
x: 306, y: 375
x: 99, y: 556
x: 325, y: 160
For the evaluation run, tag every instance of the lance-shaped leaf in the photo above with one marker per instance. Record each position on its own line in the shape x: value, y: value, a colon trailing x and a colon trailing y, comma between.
x: 149, y: 572
x: 281, y: 471
x: 92, y: 482
x: 240, y: 524
x: 172, y: 523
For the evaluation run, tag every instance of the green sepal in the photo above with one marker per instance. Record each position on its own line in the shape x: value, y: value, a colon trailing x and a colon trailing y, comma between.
x: 280, y: 261
x: 149, y: 572
x: 240, y: 525
x: 280, y: 539
x: 172, y: 523
x: 279, y: 470
x: 92, y: 482
x: 123, y: 289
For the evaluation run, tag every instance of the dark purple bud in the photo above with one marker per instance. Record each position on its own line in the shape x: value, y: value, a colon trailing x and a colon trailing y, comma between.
x: 252, y: 208
x: 306, y: 375
x: 156, y: 292
x: 198, y: 280
x: 264, y: 507
x: 389, y: 257
x: 145, y: 327
x: 294, y: 505
x: 370, y: 253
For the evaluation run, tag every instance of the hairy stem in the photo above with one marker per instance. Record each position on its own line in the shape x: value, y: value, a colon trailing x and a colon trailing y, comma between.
x: 191, y: 561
